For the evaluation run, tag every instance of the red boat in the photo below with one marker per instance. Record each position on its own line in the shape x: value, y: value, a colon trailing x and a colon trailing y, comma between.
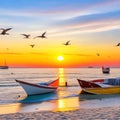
x: 99, y: 82
x: 100, y: 86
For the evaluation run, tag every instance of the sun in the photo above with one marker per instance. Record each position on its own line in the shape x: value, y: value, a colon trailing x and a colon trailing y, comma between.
x: 60, y: 58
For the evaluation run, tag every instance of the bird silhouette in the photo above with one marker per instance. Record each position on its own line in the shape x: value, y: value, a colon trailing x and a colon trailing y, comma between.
x: 41, y: 36
x: 118, y: 44
x: 4, y: 31
x: 97, y: 54
x: 32, y: 45
x: 26, y: 35
x: 67, y: 43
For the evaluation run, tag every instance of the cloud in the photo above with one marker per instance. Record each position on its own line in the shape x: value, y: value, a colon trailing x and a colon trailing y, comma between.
x: 40, y: 53
x: 11, y: 53
x: 26, y: 53
x: 77, y: 54
x: 89, y: 23
x: 62, y: 17
x: 74, y: 7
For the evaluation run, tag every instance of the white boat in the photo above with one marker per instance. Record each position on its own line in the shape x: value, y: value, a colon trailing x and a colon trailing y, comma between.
x: 39, y: 88
x: 106, y: 70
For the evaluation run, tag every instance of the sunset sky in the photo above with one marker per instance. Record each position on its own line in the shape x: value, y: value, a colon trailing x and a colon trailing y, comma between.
x: 92, y: 26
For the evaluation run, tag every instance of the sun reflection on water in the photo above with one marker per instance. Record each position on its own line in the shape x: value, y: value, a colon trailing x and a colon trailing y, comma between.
x: 61, y: 74
x: 10, y: 108
x: 66, y: 104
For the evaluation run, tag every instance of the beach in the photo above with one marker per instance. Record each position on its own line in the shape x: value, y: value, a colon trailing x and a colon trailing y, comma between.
x: 66, y: 103
x: 105, y: 113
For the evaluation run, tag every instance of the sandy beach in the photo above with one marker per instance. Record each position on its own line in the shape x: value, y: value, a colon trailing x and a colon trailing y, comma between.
x: 67, y: 104
x: 105, y: 113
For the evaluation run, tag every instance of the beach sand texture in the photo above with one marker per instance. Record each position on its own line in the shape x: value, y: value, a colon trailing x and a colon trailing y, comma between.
x: 105, y: 113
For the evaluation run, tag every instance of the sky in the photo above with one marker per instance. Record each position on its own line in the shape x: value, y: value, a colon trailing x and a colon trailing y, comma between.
x: 92, y: 26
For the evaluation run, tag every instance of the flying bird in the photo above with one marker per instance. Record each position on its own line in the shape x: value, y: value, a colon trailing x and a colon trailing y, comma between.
x: 98, y: 54
x: 32, y: 45
x: 118, y: 44
x: 41, y: 36
x: 26, y: 35
x: 4, y: 31
x: 67, y: 43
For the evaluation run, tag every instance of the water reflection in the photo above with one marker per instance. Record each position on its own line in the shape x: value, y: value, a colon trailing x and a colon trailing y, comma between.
x: 56, y: 101
x: 61, y: 74
x: 40, y: 98
x: 60, y: 104
x: 98, y: 97
x: 99, y: 101
x: 66, y: 104
x: 65, y: 98
x: 10, y: 108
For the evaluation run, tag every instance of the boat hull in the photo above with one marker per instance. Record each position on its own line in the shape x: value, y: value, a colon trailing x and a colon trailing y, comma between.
x: 100, y: 86
x: 3, y: 67
x: 34, y: 89
x: 106, y: 90
x: 99, y: 82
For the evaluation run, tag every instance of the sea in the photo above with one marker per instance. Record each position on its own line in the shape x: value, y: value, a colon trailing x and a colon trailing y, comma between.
x: 14, y: 99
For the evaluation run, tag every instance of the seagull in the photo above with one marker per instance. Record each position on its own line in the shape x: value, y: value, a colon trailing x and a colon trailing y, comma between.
x: 41, y: 36
x: 32, y: 45
x: 4, y: 31
x: 98, y: 54
x: 67, y: 43
x: 26, y: 35
x: 118, y: 44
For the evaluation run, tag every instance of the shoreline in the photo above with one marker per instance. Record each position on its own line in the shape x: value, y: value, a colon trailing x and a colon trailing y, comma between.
x: 84, y: 114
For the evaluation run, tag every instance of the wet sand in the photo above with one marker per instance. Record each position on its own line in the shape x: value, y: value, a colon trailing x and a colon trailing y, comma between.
x: 105, y: 113
x: 71, y: 108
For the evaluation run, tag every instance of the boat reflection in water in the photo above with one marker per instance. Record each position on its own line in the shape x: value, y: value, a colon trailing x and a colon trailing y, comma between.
x: 39, y: 98
x: 57, y: 101
x: 99, y: 101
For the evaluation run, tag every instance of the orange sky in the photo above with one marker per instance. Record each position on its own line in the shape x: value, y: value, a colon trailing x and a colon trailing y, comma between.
x: 73, y: 57
x: 93, y: 29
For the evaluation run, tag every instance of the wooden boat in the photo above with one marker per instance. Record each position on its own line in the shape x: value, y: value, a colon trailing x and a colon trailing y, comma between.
x: 39, y: 88
x: 106, y: 90
x: 106, y: 70
x: 100, y: 86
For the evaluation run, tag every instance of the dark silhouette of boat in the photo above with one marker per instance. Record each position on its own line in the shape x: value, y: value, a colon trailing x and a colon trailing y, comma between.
x: 4, y: 66
x: 106, y: 70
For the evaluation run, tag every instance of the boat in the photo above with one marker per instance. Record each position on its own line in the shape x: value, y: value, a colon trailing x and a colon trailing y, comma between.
x: 4, y: 66
x: 100, y: 86
x: 106, y: 70
x: 39, y: 88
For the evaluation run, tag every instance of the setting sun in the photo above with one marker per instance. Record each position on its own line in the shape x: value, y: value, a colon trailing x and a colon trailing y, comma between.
x: 60, y: 58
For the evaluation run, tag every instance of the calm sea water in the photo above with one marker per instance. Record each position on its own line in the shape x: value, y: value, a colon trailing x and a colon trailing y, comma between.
x: 12, y: 93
